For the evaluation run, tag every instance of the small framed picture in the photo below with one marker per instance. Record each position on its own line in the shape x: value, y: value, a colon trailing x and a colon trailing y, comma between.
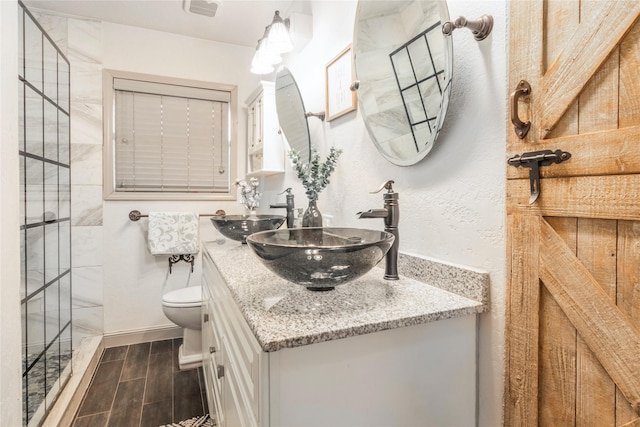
x: 340, y: 99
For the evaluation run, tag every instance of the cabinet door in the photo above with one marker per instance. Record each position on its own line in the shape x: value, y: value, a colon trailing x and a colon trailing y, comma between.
x: 245, y: 354
x: 236, y: 406
x: 213, y: 388
x: 259, y: 121
x: 207, y: 341
x: 255, y: 124
x: 251, y: 127
x: 240, y: 356
x: 211, y: 345
x: 265, y: 145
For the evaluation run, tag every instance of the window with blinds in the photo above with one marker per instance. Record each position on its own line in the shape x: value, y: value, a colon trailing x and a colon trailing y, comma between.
x: 170, y: 139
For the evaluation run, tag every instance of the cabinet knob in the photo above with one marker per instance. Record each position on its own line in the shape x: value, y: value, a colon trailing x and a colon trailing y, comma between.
x: 212, y: 349
x: 206, y: 317
x: 220, y: 371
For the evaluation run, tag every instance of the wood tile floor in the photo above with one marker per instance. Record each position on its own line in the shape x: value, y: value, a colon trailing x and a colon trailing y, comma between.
x: 140, y: 385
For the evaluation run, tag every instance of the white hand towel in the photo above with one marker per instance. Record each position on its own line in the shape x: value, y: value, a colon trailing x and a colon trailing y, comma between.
x: 173, y: 233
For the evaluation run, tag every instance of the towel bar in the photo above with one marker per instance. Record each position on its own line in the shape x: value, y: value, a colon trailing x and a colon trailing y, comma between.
x: 135, y: 215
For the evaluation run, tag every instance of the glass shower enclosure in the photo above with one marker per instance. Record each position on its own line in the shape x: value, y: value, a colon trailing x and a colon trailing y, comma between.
x: 45, y: 231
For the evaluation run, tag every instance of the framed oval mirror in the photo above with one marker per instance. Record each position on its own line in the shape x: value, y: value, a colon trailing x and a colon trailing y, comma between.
x: 292, y: 115
x: 403, y: 64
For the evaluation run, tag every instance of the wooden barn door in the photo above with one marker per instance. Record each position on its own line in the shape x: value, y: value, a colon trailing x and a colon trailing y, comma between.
x: 573, y: 309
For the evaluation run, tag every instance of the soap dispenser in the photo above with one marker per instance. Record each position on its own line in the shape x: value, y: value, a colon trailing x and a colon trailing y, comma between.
x: 297, y: 222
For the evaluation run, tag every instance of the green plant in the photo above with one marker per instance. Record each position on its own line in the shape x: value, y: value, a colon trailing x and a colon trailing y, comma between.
x: 314, y: 176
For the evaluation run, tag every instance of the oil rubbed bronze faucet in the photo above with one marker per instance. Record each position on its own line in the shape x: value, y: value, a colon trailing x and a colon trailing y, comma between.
x: 391, y: 215
x: 289, y: 206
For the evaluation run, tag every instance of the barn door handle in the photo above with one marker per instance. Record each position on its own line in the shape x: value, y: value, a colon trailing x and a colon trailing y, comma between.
x: 533, y: 161
x: 521, y: 128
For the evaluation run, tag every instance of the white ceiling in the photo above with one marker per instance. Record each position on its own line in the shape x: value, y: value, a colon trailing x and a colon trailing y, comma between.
x: 238, y: 22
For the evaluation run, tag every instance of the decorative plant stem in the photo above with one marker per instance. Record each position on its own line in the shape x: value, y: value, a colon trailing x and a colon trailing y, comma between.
x: 314, y: 176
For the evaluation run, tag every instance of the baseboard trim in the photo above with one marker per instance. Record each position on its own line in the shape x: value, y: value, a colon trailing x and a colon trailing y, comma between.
x: 85, y: 362
x: 115, y: 339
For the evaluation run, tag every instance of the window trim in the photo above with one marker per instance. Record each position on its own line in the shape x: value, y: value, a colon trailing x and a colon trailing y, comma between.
x: 108, y: 165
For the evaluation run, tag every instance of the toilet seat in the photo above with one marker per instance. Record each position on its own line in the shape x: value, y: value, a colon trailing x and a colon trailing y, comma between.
x: 185, y: 297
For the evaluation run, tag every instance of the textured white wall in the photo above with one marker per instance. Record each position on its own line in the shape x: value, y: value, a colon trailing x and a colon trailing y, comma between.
x: 452, y: 203
x: 10, y: 336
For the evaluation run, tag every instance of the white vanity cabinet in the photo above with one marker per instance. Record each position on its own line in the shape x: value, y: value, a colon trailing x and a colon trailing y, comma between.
x: 421, y: 374
x: 232, y: 358
x: 265, y: 145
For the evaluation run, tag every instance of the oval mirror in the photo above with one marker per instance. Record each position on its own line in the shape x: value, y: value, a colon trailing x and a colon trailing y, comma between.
x: 291, y: 114
x: 403, y: 64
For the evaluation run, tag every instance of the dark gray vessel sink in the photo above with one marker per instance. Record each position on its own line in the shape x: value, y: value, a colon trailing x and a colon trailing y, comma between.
x: 238, y: 227
x: 320, y: 258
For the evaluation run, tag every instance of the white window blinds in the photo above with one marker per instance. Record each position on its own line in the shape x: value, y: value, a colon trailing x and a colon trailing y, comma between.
x: 170, y: 138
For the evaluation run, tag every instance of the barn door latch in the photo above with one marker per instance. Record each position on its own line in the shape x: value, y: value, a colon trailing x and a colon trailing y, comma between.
x: 534, y: 160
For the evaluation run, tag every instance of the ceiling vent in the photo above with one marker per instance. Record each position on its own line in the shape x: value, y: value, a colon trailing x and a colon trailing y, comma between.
x: 202, y: 7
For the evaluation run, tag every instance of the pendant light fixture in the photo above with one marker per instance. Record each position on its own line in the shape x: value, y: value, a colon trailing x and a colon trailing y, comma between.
x: 264, y: 59
x: 275, y: 41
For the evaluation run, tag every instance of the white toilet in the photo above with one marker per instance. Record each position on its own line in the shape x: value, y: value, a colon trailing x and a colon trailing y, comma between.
x: 182, y: 307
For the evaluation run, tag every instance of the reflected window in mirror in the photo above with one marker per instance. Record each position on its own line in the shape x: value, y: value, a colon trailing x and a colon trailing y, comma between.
x: 403, y: 64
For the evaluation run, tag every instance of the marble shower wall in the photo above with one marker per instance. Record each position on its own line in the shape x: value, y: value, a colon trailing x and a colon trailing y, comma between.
x: 81, y: 41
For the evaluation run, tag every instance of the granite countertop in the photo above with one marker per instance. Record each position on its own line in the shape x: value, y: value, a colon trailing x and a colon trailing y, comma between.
x: 285, y: 315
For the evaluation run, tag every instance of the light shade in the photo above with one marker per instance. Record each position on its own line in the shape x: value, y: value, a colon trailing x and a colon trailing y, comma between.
x: 264, y: 60
x: 261, y: 68
x: 275, y: 41
x: 279, y: 39
x: 265, y: 55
